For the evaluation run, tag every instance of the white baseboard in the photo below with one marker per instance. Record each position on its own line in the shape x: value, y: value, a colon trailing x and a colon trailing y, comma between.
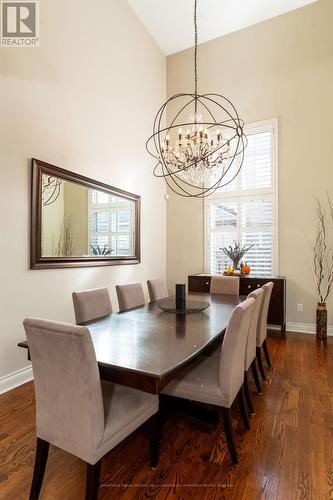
x: 15, y: 379
x: 301, y: 328
x: 306, y: 328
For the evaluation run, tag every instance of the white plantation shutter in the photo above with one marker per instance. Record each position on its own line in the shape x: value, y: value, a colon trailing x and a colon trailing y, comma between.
x: 111, y: 224
x: 245, y: 210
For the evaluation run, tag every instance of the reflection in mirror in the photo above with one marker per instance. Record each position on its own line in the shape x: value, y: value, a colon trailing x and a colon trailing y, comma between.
x: 81, y: 222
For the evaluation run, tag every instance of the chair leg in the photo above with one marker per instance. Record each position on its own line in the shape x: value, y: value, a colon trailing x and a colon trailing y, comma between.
x: 266, y: 352
x: 243, y: 409
x: 163, y: 412
x: 154, y: 435
x: 42, y: 451
x: 92, y: 480
x: 247, y: 395
x: 261, y: 366
x: 256, y: 376
x: 227, y: 424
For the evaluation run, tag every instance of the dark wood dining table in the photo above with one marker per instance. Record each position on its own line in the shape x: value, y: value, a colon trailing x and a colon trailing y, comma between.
x: 145, y: 347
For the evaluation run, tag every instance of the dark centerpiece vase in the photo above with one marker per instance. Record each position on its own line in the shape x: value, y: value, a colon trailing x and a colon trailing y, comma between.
x: 180, y: 298
x: 321, y: 323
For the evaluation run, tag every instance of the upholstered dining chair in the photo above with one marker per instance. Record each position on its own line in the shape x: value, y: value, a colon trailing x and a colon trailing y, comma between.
x: 250, y: 349
x: 262, y: 329
x: 130, y: 296
x: 157, y: 289
x: 250, y: 352
x: 91, y: 304
x: 228, y: 285
x: 75, y: 410
x: 219, y: 381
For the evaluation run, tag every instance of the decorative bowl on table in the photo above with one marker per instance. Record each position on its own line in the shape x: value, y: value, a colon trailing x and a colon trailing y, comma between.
x: 244, y: 271
x: 190, y: 306
x: 233, y: 273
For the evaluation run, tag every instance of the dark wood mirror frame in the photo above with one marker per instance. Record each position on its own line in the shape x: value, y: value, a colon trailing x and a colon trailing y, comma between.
x: 37, y: 261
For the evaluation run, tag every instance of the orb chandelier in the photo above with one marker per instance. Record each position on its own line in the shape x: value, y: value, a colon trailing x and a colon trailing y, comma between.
x: 202, y: 148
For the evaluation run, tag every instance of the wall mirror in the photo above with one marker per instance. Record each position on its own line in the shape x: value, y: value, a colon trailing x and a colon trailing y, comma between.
x: 77, y: 221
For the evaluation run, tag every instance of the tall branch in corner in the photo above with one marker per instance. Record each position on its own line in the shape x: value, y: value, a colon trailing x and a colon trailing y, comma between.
x: 322, y: 251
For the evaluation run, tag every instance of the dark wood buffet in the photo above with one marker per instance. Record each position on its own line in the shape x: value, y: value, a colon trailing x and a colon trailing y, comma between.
x: 277, y: 308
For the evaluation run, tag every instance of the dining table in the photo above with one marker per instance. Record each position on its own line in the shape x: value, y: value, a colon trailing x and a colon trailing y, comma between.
x: 146, y: 347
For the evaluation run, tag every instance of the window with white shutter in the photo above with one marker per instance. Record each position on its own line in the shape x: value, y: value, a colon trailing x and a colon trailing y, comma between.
x: 245, y: 210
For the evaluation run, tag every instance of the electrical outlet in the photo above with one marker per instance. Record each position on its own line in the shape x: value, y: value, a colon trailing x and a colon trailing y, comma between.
x: 299, y: 307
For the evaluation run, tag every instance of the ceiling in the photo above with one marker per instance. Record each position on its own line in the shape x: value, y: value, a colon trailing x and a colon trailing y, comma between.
x: 170, y: 22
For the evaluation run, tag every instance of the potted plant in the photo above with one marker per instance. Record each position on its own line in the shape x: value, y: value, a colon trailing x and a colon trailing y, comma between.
x: 321, y: 260
x: 236, y: 253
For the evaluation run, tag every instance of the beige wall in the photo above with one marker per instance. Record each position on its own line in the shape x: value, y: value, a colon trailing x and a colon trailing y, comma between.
x: 280, y: 68
x: 96, y: 78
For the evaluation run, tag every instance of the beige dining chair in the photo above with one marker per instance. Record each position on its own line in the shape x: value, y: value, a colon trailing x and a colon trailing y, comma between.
x: 130, y: 296
x: 262, y: 329
x: 157, y: 289
x: 228, y: 285
x: 75, y: 410
x: 91, y: 304
x: 250, y: 352
x: 219, y: 381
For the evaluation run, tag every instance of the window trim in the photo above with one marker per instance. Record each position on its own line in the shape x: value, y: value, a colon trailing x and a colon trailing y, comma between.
x: 254, y: 127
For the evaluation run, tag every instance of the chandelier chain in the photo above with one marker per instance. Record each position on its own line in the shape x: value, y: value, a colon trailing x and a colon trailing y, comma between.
x: 195, y: 54
x: 209, y: 153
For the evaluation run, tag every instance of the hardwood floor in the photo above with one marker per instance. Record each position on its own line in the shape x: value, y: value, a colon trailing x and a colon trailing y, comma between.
x: 288, y: 454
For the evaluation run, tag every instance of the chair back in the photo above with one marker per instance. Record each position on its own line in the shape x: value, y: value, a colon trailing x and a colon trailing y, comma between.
x: 231, y: 369
x: 262, y: 325
x: 251, y: 344
x: 69, y: 402
x: 228, y: 285
x: 130, y: 296
x: 157, y: 289
x: 91, y: 304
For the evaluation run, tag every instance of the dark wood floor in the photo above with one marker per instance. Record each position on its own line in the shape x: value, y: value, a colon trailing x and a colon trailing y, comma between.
x: 288, y: 454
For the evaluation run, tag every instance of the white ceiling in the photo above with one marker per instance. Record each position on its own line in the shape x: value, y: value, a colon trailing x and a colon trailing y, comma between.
x: 170, y: 22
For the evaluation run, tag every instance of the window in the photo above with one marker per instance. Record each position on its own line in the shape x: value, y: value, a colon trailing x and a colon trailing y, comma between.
x: 245, y: 210
x: 110, y: 224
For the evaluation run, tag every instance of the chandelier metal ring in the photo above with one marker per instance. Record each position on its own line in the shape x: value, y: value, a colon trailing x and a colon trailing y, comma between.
x: 228, y: 121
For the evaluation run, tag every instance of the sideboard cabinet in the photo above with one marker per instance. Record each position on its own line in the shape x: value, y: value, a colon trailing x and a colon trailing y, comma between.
x: 277, y: 307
